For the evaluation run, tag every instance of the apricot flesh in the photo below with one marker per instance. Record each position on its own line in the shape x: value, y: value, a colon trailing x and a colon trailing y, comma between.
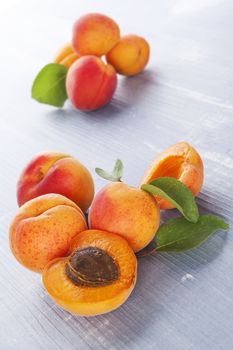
x: 56, y: 173
x: 94, y: 34
x: 130, y: 55
x: 91, y: 301
x: 90, y: 83
x: 127, y: 211
x: 180, y: 161
x: 43, y: 228
x: 66, y: 56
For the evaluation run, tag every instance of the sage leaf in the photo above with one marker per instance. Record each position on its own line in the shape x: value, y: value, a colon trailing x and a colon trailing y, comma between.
x: 49, y: 85
x: 179, y: 235
x: 115, y: 175
x: 176, y: 193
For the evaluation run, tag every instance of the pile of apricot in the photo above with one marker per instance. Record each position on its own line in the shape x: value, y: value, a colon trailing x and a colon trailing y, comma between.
x: 90, y: 268
x: 91, y: 82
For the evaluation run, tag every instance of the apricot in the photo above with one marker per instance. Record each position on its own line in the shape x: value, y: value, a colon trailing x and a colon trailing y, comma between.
x: 56, y: 173
x: 66, y: 56
x: 94, y: 34
x: 127, y: 211
x: 180, y: 161
x: 90, y: 83
x: 130, y: 55
x: 96, y: 278
x: 43, y: 228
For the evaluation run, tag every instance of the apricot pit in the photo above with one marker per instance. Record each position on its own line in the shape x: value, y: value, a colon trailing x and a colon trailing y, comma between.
x: 91, y: 267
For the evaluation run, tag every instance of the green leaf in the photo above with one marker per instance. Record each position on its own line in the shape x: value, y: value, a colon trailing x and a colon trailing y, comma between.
x: 176, y: 193
x: 178, y: 235
x: 118, y: 169
x: 49, y: 85
x: 115, y: 175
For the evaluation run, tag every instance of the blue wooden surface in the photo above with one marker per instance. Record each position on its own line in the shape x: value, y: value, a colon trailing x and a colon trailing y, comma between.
x: 181, y: 301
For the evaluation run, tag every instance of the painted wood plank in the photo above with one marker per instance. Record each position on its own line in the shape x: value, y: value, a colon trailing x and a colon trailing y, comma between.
x: 181, y: 301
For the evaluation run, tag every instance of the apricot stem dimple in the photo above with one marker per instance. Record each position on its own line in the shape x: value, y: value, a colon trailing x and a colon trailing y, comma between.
x: 91, y: 267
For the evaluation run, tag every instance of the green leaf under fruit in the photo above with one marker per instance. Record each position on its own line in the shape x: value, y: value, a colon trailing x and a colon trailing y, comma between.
x: 49, y: 85
x: 176, y: 193
x: 116, y: 173
x: 179, y: 235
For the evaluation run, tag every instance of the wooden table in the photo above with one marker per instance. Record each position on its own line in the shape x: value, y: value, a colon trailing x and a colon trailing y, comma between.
x: 182, y: 301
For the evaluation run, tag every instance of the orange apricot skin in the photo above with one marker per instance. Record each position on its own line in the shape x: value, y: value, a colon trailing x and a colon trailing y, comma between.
x: 92, y: 301
x: 90, y: 83
x: 43, y: 228
x: 127, y: 211
x: 66, y: 56
x: 56, y: 173
x: 180, y: 161
x: 130, y: 55
x: 94, y: 34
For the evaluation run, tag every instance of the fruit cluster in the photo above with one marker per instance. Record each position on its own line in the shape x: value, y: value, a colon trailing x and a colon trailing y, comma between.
x: 90, y: 82
x: 91, y: 268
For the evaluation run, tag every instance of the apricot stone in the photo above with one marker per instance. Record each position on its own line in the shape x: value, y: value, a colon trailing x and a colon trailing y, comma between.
x: 130, y: 55
x: 94, y: 34
x: 66, y: 56
x: 180, y: 161
x: 127, y: 211
x: 43, y: 228
x: 90, y: 83
x: 100, y: 254
x: 56, y: 173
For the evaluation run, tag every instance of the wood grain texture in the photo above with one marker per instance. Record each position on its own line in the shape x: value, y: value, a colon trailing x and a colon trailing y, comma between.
x: 182, y: 301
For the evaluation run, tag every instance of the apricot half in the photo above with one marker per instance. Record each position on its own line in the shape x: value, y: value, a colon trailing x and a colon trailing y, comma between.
x: 96, y: 278
x: 130, y: 55
x: 90, y: 83
x: 43, y: 228
x: 180, y: 161
x: 56, y: 173
x: 127, y: 211
x: 94, y: 34
x: 66, y: 56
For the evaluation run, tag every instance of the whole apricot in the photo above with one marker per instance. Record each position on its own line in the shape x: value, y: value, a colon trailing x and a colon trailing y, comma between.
x: 97, y: 277
x: 90, y: 83
x: 66, y: 56
x: 127, y: 211
x: 56, y: 173
x: 180, y: 161
x: 130, y: 55
x: 43, y: 228
x: 94, y: 34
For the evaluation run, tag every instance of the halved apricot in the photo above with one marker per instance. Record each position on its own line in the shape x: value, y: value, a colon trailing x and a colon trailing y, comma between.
x: 96, y: 278
x: 180, y: 161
